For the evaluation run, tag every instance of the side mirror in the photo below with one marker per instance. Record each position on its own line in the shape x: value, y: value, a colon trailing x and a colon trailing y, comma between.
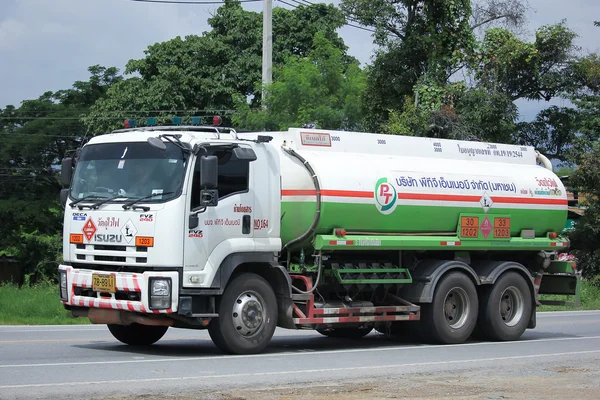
x: 64, y: 196
x: 66, y: 171
x: 209, y: 166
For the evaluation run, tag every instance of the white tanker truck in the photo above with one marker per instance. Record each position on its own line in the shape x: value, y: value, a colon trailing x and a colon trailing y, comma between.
x: 201, y: 227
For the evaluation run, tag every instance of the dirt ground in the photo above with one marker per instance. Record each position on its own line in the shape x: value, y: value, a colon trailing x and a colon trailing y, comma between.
x: 556, y: 382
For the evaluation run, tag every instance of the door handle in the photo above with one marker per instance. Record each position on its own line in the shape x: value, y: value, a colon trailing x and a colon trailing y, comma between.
x: 246, y: 224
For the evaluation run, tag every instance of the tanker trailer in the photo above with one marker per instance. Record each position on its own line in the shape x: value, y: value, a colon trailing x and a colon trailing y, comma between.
x: 464, y: 230
x: 339, y: 232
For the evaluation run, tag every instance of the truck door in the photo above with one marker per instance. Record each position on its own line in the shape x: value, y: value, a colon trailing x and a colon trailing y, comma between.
x: 224, y: 229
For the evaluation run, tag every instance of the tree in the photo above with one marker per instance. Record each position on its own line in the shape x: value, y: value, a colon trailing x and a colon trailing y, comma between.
x: 321, y: 87
x: 585, y: 237
x: 554, y: 132
x: 36, y: 136
x: 422, y: 44
x: 505, y: 64
x: 200, y: 73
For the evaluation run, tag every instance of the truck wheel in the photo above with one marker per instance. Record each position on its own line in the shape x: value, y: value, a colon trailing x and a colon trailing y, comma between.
x: 247, y: 316
x: 138, y: 335
x: 346, y: 333
x: 505, y: 308
x: 452, y: 315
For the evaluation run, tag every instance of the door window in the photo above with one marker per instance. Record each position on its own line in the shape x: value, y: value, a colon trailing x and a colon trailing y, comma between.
x: 232, y: 178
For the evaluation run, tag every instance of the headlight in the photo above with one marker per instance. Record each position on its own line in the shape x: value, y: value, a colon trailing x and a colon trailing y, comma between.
x: 63, y: 285
x: 160, y: 293
x: 161, y: 288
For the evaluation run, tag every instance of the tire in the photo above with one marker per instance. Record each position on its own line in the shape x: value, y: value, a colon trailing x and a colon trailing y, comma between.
x: 452, y: 315
x: 138, y: 335
x: 346, y: 333
x: 505, y: 308
x: 247, y: 316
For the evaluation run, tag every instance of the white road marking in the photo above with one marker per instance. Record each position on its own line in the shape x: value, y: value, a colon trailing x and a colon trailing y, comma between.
x: 566, y: 313
x: 297, y: 353
x: 304, y: 371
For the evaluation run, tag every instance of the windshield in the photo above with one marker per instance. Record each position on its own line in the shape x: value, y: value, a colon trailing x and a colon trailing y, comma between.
x: 130, y: 170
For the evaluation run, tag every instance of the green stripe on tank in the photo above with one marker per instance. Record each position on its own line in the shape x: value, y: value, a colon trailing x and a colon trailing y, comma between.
x: 406, y: 218
x: 375, y: 242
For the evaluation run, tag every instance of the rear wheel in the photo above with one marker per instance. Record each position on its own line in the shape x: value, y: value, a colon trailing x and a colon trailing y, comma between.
x: 452, y: 315
x: 247, y: 316
x: 346, y: 333
x: 138, y: 335
x: 505, y: 308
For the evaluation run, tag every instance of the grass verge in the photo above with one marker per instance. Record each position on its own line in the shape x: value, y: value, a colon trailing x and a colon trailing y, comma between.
x: 589, y: 298
x: 40, y: 305
x: 34, y: 305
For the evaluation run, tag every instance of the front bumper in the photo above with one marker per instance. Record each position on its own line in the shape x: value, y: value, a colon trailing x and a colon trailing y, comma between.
x: 132, y: 290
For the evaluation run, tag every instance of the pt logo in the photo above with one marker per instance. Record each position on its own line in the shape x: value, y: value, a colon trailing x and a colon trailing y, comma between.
x: 385, y: 196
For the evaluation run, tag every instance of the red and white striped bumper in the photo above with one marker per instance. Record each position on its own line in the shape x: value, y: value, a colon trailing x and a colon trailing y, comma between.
x: 80, y: 281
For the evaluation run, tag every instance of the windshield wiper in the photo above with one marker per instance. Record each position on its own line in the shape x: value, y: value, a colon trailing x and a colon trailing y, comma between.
x: 95, y: 206
x: 128, y: 205
x: 90, y: 197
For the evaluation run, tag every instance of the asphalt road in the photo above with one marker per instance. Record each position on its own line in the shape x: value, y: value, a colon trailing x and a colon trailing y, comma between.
x: 86, y: 362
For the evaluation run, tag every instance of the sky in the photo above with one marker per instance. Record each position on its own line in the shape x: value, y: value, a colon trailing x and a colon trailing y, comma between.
x: 46, y: 45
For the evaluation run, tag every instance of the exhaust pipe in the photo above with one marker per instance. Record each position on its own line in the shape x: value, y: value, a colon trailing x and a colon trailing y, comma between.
x: 106, y: 316
x: 544, y: 160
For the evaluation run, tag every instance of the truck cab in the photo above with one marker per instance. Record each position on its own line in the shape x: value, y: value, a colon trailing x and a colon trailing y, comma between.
x: 156, y: 222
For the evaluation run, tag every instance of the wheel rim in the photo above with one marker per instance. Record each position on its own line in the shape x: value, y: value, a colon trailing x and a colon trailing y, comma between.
x: 456, y: 307
x: 248, y: 313
x: 512, y: 306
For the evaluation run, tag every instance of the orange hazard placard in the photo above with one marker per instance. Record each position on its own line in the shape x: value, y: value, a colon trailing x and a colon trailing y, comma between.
x: 144, y: 241
x: 469, y: 227
x: 502, y: 228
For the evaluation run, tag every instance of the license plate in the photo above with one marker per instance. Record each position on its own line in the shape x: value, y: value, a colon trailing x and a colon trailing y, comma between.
x: 103, y: 283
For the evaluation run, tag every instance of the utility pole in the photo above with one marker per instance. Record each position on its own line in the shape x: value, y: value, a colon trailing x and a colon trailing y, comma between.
x: 267, y: 59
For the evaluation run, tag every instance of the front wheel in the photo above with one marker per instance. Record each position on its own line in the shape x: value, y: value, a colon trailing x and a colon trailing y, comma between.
x: 137, y: 335
x: 452, y: 315
x: 346, y: 333
x: 505, y: 308
x: 247, y: 316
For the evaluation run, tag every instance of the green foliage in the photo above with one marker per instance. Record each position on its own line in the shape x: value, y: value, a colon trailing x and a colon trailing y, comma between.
x: 412, y: 121
x: 36, y: 136
x: 506, y: 64
x: 37, y: 304
x: 554, y: 132
x: 488, y: 116
x: 319, y: 88
x: 418, y: 39
x: 586, y: 235
x: 205, y: 74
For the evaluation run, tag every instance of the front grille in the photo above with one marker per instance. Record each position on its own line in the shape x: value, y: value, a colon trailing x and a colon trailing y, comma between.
x: 109, y: 248
x: 119, y: 295
x: 110, y: 258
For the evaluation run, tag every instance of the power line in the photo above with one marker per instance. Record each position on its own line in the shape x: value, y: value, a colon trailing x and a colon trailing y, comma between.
x: 348, y: 18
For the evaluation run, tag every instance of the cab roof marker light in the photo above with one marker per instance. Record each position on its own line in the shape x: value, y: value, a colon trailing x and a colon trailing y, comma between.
x: 176, y: 120
x: 151, y: 121
x: 130, y: 123
x: 196, y: 121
